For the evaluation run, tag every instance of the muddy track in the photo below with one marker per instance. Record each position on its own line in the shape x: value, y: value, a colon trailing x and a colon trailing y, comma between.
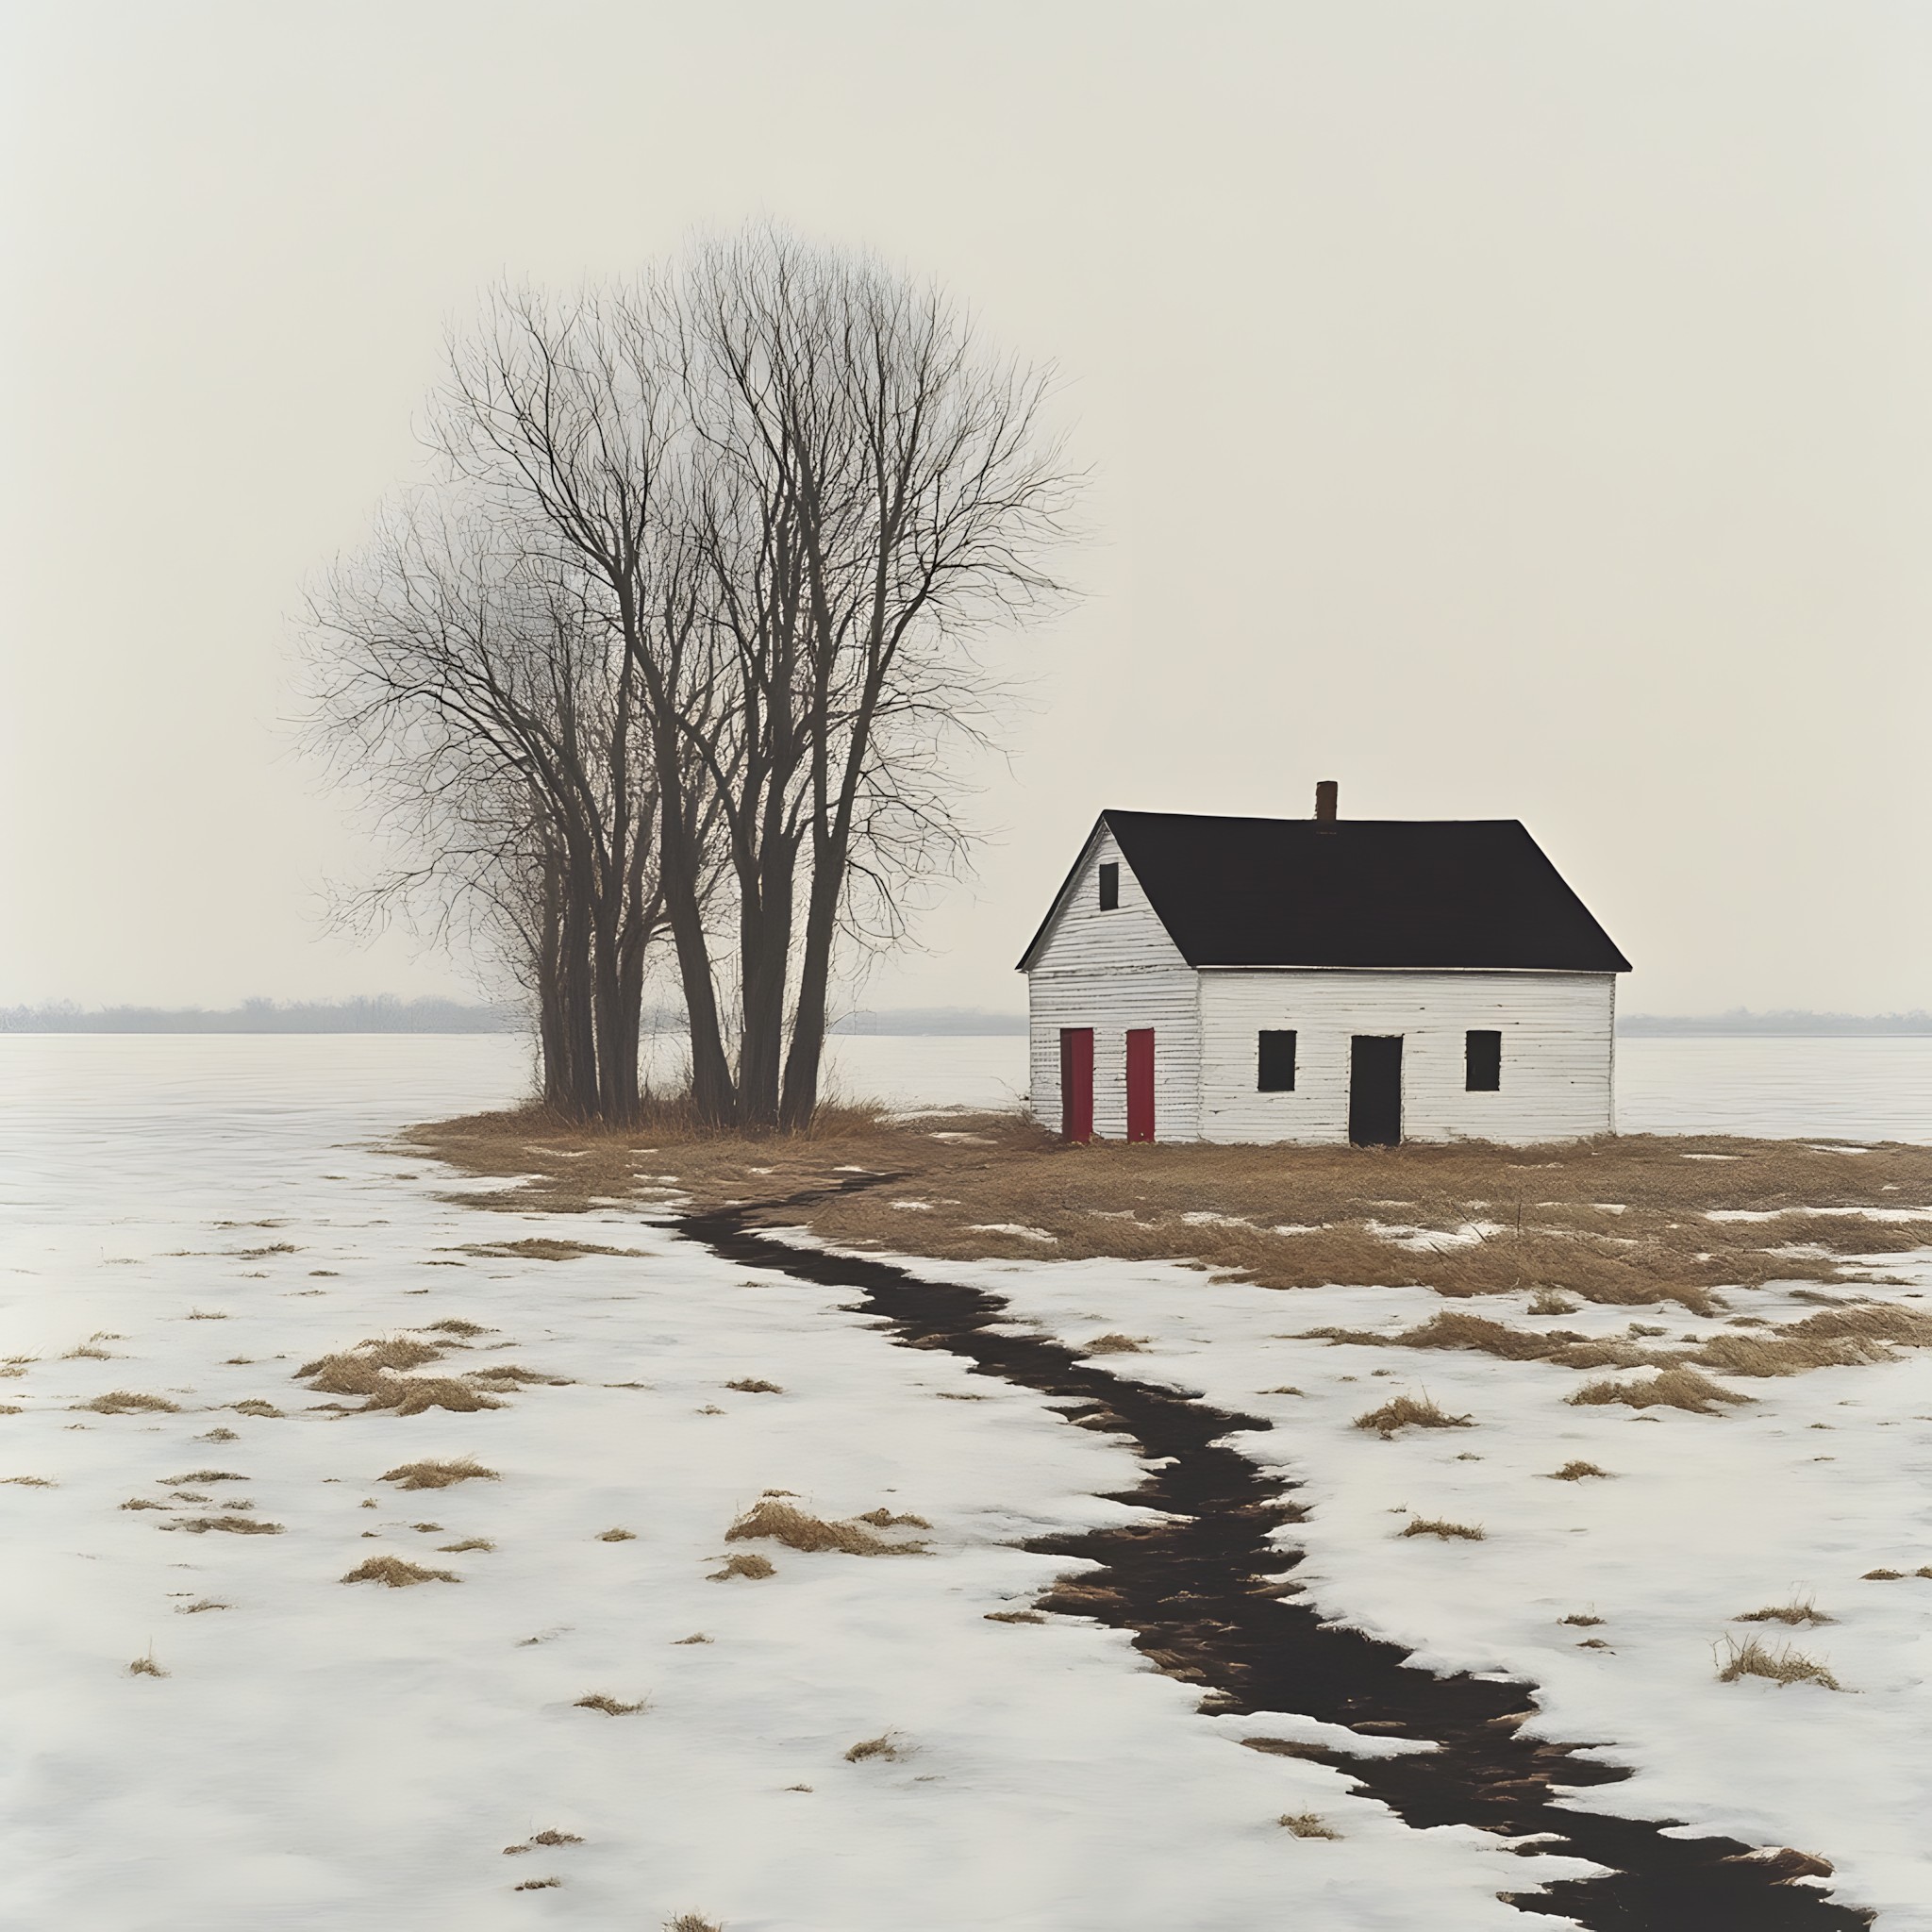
x: 1202, y: 1594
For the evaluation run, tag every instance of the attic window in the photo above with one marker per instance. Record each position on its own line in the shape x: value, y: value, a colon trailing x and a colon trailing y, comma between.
x: 1109, y: 887
x: 1276, y: 1063
x: 1482, y: 1061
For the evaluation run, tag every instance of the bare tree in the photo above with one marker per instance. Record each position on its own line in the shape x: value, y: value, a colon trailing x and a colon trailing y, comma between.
x: 878, y: 489
x: 490, y: 725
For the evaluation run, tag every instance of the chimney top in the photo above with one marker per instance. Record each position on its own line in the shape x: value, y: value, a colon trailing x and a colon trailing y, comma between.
x: 1325, y: 795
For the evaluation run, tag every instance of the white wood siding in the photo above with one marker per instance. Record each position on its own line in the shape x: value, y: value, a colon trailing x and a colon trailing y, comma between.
x: 1557, y: 1045
x: 1113, y: 971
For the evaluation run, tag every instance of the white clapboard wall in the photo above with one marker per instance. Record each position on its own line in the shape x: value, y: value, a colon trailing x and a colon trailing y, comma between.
x: 1111, y: 970
x: 1119, y: 969
x: 1557, y: 1052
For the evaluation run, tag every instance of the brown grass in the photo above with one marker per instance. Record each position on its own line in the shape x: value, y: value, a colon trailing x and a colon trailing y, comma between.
x: 455, y: 1325
x: 751, y: 1565
x: 254, y: 1407
x: 538, y: 1885
x: 397, y: 1572
x: 1793, y: 1613
x: 469, y: 1542
x: 145, y: 1667
x: 1669, y: 1389
x: 87, y: 1352
x: 1014, y: 1617
x: 1580, y: 1620
x: 219, y: 1435
x: 1308, y: 1824
x: 126, y: 1402
x: 754, y: 1385
x: 203, y: 1475
x: 1434, y: 1525
x: 696, y: 1637
x: 1576, y: 1472
x: 883, y: 1746
x: 1883, y: 1576
x: 1752, y: 1658
x: 696, y: 1921
x: 141, y: 1503
x: 1406, y: 1413
x: 617, y: 1536
x: 1117, y: 1344
x: 1132, y: 1204
x: 233, y: 1525
x: 1784, y: 1865
x: 543, y: 1248
x: 610, y: 1705
x: 31, y: 1482
x: 798, y: 1530
x: 208, y: 1602
x: 439, y: 1475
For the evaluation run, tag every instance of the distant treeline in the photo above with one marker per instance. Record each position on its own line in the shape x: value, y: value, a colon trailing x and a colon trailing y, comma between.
x: 1740, y: 1020
x: 381, y: 1014
x: 384, y: 1013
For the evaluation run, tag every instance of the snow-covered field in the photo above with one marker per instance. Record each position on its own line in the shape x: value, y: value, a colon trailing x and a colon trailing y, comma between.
x: 323, y: 1754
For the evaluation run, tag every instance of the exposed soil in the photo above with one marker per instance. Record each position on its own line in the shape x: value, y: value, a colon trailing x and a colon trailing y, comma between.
x: 1201, y: 1593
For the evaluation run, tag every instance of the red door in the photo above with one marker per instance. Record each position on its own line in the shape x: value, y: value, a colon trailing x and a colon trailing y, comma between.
x: 1076, y: 1083
x: 1141, y: 1083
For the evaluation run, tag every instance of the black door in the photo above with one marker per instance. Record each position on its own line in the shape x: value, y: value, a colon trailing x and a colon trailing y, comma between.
x: 1374, y: 1089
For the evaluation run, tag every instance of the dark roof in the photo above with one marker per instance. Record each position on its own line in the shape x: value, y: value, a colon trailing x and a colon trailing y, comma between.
x: 1423, y: 892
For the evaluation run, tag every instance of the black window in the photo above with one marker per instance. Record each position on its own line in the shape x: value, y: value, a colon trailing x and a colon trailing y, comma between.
x: 1276, y: 1074
x: 1482, y: 1059
x: 1109, y: 886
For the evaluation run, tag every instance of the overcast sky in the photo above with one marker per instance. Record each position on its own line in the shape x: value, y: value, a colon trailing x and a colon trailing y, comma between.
x: 1506, y: 409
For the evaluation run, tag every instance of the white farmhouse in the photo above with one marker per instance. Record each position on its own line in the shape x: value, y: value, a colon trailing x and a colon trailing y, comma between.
x: 1320, y: 979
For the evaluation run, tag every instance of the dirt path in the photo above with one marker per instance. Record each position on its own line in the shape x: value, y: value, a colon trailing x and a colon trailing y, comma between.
x: 1195, y: 1591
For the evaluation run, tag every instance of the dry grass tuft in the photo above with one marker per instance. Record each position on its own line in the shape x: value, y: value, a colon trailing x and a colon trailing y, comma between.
x: 205, y: 1315
x: 87, y: 1352
x: 883, y: 1518
x: 1580, y: 1620
x: 1785, y: 1865
x: 1308, y: 1824
x: 1752, y: 1658
x: 1576, y: 1472
x: 439, y: 1475
x: 1883, y: 1576
x: 141, y: 1503
x: 126, y: 1402
x: 145, y: 1667
x: 798, y: 1530
x: 1434, y: 1525
x: 617, y: 1536
x: 31, y: 1482
x: 455, y: 1325
x: 1669, y: 1389
x: 1795, y: 1613
x: 610, y: 1705
x: 397, y: 1572
x: 1014, y: 1617
x: 208, y: 1602
x: 543, y: 1248
x: 695, y: 1637
x: 753, y: 1566
x: 555, y: 1838
x: 234, y: 1526
x: 538, y: 1885
x: 254, y: 1407
x: 696, y: 1921
x: 220, y: 1435
x: 754, y: 1385
x: 1118, y: 1345
x: 883, y: 1746
x: 203, y: 1475
x: 1546, y: 1301
x: 416, y: 1394
x: 1405, y: 1412
x: 469, y: 1542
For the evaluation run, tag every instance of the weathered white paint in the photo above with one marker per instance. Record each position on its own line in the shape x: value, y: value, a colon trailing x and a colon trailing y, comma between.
x: 1556, y: 1031
x: 1113, y: 971
x: 1116, y: 970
